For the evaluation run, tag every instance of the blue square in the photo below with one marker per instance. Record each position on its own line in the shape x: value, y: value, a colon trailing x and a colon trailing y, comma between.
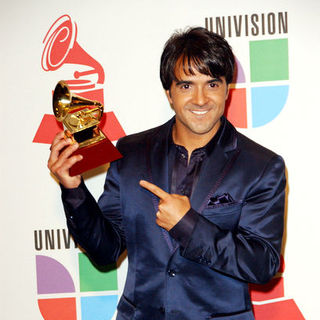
x: 98, y: 307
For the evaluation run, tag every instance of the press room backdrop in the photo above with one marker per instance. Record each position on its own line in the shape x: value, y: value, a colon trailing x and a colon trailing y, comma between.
x: 109, y: 51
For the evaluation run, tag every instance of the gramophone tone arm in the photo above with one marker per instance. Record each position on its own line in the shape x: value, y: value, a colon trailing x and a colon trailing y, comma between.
x: 90, y: 111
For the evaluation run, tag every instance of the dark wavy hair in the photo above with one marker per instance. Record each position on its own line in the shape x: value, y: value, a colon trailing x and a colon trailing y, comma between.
x: 198, y: 48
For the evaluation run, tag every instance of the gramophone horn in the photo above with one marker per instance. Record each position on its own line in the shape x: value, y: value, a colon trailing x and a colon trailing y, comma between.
x: 61, y: 47
x: 64, y: 101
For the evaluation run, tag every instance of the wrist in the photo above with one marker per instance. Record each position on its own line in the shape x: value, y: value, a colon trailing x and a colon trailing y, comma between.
x: 71, y: 184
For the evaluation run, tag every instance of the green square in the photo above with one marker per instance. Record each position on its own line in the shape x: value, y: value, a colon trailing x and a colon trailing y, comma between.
x: 269, y: 60
x: 94, y: 278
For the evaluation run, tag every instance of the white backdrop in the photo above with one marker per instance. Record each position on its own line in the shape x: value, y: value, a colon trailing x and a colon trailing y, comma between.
x: 126, y: 38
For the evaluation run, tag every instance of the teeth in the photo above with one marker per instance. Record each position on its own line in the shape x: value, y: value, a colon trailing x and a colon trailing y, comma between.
x: 199, y: 112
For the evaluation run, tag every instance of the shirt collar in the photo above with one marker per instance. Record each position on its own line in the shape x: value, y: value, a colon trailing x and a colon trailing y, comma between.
x: 208, y: 148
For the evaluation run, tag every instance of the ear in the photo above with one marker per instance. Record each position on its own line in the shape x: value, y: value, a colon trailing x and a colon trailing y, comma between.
x: 168, y: 94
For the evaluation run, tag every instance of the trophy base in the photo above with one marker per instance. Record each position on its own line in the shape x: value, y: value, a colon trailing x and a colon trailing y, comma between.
x: 95, y: 155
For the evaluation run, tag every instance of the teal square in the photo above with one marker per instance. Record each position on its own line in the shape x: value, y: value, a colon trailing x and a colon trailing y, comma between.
x: 269, y: 60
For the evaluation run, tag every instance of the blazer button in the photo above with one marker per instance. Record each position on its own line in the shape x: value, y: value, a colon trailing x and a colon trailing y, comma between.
x: 171, y: 273
x: 162, y: 310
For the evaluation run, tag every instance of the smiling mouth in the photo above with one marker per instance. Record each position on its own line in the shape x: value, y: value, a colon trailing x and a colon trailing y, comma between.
x: 199, y: 112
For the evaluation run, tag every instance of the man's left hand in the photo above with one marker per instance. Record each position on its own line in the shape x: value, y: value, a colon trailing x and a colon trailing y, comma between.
x: 172, y: 207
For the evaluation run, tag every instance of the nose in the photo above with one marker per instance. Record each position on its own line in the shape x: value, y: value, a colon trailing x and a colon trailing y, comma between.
x: 200, y: 97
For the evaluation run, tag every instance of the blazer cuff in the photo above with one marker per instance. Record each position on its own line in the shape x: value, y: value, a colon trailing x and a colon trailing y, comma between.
x: 74, y: 197
x: 182, y: 231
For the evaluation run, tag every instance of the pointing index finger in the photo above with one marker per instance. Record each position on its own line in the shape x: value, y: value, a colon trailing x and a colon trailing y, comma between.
x: 154, y: 189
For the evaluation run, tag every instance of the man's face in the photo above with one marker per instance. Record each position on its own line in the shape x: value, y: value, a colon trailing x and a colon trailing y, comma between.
x: 198, y: 101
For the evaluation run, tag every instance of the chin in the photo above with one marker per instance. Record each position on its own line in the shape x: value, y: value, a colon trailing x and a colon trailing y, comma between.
x: 202, y: 131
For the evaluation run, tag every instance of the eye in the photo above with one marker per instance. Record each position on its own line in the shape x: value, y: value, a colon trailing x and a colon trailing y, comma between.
x: 213, y: 84
x: 185, y: 86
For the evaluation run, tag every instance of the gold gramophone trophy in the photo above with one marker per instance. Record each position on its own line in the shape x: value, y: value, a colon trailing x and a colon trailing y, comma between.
x: 80, y: 118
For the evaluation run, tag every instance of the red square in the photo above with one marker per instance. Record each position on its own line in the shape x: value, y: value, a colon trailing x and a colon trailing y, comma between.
x: 236, y: 108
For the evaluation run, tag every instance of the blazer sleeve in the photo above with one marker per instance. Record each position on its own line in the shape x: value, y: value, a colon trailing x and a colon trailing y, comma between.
x: 96, y: 227
x: 250, y: 252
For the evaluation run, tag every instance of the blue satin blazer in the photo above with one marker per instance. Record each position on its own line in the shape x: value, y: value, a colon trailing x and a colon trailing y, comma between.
x: 232, y: 243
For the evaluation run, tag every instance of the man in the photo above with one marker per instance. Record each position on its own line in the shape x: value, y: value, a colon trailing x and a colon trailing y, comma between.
x: 198, y: 206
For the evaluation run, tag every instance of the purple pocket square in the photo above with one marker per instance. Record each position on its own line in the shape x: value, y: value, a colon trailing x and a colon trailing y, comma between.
x: 223, y: 199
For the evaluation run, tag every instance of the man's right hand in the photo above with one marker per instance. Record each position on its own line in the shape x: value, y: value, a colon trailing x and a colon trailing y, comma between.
x: 61, y: 160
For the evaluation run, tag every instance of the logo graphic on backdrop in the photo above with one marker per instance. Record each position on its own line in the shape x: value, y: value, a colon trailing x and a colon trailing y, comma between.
x: 76, y: 290
x: 86, y: 77
x: 269, y: 301
x: 81, y: 295
x: 85, y: 292
x: 259, y: 92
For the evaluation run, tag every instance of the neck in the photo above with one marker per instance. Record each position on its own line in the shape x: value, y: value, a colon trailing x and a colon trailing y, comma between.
x: 190, y: 140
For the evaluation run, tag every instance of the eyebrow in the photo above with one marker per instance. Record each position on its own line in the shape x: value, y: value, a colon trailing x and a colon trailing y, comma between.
x: 181, y: 82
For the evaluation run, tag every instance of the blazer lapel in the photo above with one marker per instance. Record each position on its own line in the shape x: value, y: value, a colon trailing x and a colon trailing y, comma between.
x: 157, y: 156
x: 215, y: 167
x: 158, y: 167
